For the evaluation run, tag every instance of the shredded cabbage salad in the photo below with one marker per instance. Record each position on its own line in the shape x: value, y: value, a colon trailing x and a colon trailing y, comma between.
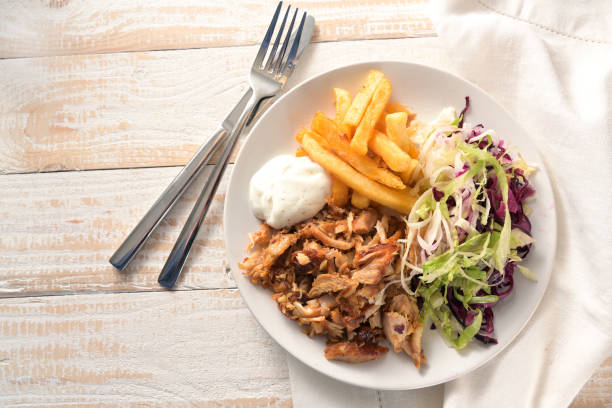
x: 469, y: 230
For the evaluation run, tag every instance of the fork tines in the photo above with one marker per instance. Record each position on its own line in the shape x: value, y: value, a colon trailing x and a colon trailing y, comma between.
x: 279, y: 63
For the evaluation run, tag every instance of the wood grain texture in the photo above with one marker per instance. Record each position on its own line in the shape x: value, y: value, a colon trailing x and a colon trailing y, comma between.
x: 58, y: 230
x: 164, y: 349
x: 146, y: 109
x: 597, y: 392
x: 169, y: 349
x: 66, y: 27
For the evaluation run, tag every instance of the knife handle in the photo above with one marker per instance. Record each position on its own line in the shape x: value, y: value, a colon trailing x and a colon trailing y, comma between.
x: 178, y: 256
x: 139, y: 235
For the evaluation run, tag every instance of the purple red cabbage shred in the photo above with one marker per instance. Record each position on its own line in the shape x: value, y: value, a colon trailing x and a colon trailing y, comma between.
x: 519, y: 190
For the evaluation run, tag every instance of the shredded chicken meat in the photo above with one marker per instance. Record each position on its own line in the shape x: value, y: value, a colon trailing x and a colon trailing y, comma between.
x: 327, y: 274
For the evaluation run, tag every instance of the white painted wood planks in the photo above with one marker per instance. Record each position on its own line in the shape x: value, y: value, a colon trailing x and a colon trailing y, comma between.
x: 65, y: 27
x: 146, y: 109
x: 58, y: 230
x: 201, y: 348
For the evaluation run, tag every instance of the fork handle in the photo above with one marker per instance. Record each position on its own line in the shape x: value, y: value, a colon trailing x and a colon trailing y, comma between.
x: 176, y: 260
x: 139, y: 235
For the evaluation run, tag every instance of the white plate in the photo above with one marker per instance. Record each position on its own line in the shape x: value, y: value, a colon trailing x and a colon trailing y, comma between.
x: 427, y: 91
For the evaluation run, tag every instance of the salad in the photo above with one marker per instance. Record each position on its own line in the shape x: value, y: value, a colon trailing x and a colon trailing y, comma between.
x: 469, y: 230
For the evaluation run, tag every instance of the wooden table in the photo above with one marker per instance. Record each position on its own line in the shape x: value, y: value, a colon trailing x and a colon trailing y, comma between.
x: 101, y: 102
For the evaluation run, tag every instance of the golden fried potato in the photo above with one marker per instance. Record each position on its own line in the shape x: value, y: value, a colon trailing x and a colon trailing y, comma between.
x: 394, y: 107
x: 302, y: 132
x: 397, y: 159
x: 342, y: 98
x: 381, y: 123
x: 300, y: 135
x: 343, y: 103
x: 362, y: 99
x: 339, y: 144
x: 359, y: 201
x: 401, y: 201
x: 339, y: 193
x: 412, y: 175
x: 398, y: 132
x: 363, y: 133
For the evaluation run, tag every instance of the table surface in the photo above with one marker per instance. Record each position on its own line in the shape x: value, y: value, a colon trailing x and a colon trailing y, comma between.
x: 101, y: 102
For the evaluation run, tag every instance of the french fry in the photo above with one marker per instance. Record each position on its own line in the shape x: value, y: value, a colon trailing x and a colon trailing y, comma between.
x: 362, y: 99
x: 398, y: 133
x: 417, y: 174
x: 359, y: 142
x: 326, y: 128
x: 343, y: 103
x: 411, y: 176
x: 397, y: 159
x: 339, y: 193
x: 401, y: 201
x: 381, y: 123
x: 299, y: 152
x: 394, y: 107
x: 300, y: 135
x: 359, y: 201
x: 302, y: 132
x: 408, y: 176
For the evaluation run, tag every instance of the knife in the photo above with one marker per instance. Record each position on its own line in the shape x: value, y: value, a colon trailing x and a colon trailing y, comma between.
x: 139, y: 235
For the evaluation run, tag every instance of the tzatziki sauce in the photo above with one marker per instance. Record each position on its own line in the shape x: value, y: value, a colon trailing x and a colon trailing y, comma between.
x: 287, y: 190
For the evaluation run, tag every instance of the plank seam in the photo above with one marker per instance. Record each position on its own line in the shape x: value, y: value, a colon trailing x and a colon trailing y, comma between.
x: 419, y: 35
x: 110, y: 292
x: 95, y: 169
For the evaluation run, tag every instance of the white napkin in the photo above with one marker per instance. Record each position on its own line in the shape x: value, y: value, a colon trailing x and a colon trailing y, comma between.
x: 312, y: 389
x: 550, y: 64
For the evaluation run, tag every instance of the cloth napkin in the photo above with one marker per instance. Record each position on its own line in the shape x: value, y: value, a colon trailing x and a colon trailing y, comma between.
x: 550, y: 64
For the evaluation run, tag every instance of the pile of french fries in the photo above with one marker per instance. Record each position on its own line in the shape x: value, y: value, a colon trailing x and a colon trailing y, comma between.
x: 366, y: 148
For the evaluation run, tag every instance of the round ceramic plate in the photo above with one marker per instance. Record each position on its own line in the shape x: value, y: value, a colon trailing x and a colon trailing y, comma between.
x: 426, y: 91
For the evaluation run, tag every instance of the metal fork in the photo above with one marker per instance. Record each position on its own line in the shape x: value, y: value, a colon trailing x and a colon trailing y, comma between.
x: 269, y: 72
x: 143, y: 230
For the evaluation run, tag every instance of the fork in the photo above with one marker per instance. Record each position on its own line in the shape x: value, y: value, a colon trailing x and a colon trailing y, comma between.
x: 136, y: 239
x: 269, y: 73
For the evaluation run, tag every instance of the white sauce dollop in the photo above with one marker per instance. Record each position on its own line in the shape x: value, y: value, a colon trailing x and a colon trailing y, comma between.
x: 287, y: 190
